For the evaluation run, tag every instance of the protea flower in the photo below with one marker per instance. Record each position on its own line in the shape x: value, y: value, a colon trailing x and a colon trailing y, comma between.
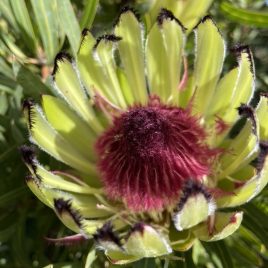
x: 150, y: 152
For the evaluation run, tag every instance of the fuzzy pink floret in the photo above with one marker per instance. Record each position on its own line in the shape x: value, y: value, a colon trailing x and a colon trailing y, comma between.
x: 149, y: 152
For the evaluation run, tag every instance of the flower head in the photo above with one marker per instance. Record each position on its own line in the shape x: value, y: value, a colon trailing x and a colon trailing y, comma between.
x: 148, y: 145
x: 149, y: 152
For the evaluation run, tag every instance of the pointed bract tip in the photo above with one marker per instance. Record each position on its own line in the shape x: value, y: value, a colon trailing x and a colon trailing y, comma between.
x: 264, y: 94
x: 248, y: 112
x: 166, y: 14
x: 138, y: 227
x: 61, y: 56
x: 191, y: 188
x: 27, y: 103
x: 64, y: 206
x: 203, y: 20
x: 28, y: 154
x: 29, y: 178
x: 238, y: 49
x: 259, y: 163
x: 126, y: 9
x: 108, y: 38
x: 106, y: 233
x: 85, y: 32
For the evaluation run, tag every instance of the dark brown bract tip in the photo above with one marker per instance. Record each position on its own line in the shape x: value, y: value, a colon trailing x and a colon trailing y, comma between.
x: 108, y: 38
x: 85, y: 32
x: 124, y: 10
x: 239, y: 49
x: 27, y: 103
x: 61, y: 56
x: 29, y: 178
x: 106, y: 233
x: 28, y: 154
x: 138, y: 227
x: 259, y: 162
x: 264, y: 94
x: 64, y: 206
x: 166, y: 14
x: 192, y: 188
x: 248, y: 112
x: 203, y: 20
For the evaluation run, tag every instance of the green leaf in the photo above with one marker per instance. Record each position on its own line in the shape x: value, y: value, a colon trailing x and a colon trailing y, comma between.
x: 7, y: 13
x: 240, y: 15
x: 31, y: 83
x: 24, y: 23
x: 12, y: 195
x: 69, y: 23
x: 91, y: 257
x: 88, y: 16
x: 47, y: 22
x: 222, y: 252
x: 12, y: 47
x: 3, y: 103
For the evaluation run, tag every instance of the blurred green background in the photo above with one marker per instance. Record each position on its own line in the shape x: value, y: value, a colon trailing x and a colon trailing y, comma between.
x: 32, y: 32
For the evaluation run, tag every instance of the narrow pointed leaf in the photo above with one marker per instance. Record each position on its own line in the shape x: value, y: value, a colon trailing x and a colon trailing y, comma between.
x: 69, y: 23
x: 47, y: 22
x: 24, y: 23
x: 88, y: 16
x: 242, y: 15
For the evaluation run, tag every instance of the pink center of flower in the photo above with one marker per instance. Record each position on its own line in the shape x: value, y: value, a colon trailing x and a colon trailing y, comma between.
x: 150, y: 152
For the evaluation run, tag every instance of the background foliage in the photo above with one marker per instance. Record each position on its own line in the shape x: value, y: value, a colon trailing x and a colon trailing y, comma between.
x: 31, y: 34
